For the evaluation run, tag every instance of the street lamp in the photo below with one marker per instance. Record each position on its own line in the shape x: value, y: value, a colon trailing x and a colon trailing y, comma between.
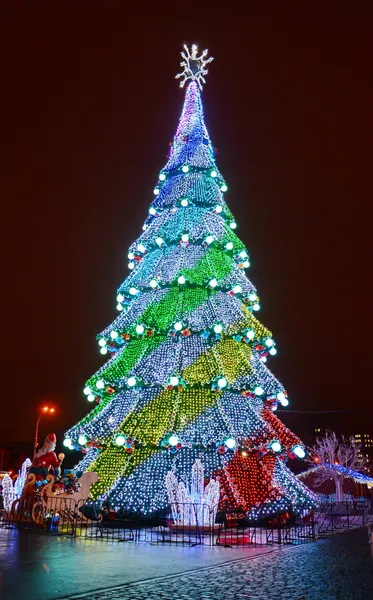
x: 43, y: 411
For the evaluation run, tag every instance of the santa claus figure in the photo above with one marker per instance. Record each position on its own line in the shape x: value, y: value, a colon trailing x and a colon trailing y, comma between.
x: 45, y: 460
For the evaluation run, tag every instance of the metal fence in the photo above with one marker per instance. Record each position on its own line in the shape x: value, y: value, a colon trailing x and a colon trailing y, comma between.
x: 180, y: 524
x: 339, y: 516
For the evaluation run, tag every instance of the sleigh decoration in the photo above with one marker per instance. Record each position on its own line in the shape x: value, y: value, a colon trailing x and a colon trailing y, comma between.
x: 45, y: 505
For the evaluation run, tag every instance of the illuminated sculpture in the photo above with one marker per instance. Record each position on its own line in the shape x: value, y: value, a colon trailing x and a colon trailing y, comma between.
x: 194, y: 504
x: 186, y: 378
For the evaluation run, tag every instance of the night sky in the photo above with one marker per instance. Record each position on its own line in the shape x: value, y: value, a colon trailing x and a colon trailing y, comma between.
x: 88, y: 105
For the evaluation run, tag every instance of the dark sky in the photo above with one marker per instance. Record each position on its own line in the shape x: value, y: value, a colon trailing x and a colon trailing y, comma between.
x: 88, y: 106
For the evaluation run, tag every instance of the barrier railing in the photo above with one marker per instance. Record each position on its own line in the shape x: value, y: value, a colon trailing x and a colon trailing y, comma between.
x: 181, y: 524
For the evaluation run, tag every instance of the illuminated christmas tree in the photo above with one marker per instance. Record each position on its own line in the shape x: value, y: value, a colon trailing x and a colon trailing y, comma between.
x: 187, y: 377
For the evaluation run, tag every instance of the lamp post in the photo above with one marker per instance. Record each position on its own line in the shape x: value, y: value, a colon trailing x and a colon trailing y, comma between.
x: 44, y: 410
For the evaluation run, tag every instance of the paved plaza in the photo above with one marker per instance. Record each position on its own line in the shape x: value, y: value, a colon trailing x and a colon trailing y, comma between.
x: 42, y: 568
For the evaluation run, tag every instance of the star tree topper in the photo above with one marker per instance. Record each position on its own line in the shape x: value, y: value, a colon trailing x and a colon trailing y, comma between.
x: 194, y: 66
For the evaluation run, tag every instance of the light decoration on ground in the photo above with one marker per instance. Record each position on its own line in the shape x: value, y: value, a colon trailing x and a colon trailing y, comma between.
x: 185, y: 355
x: 193, y: 504
x: 8, y: 492
x: 22, y: 476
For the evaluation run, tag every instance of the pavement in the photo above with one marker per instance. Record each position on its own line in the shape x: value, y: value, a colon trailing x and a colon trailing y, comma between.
x: 44, y: 568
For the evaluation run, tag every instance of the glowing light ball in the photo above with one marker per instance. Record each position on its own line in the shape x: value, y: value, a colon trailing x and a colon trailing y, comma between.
x: 174, y: 380
x: 276, y: 446
x: 184, y: 202
x: 256, y: 307
x: 218, y: 328
x: 213, y: 283
x: 243, y: 254
x: 230, y: 443
x: 185, y: 169
x: 237, y: 289
x: 140, y: 329
x: 229, y: 246
x: 133, y: 291
x: 100, y: 384
x: 90, y: 398
x: 233, y: 225
x: 178, y: 326
x: 269, y: 342
x: 253, y: 297
x: 68, y: 443
x: 159, y: 241
x: 103, y: 350
x: 209, y: 239
x: 222, y: 382
x: 119, y: 306
x: 224, y: 188
x: 113, y: 334
x: 87, y: 390
x: 273, y: 351
x: 218, y: 209
x: 299, y: 451
x: 181, y: 279
x: 250, y: 334
x: 141, y: 248
x: 156, y: 191
x: 162, y: 177
x: 258, y: 391
x: 153, y: 283
x: 152, y: 210
x: 214, y: 174
x: 102, y: 342
x: 185, y: 237
x: 281, y: 396
x: 120, y: 440
x: 131, y: 381
x: 120, y: 298
x: 82, y: 440
x: 131, y: 255
x: 131, y: 266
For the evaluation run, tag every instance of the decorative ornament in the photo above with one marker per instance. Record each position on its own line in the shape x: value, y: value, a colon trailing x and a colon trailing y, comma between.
x: 194, y: 66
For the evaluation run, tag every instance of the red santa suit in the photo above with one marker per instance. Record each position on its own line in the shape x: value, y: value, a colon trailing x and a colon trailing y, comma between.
x: 45, y: 458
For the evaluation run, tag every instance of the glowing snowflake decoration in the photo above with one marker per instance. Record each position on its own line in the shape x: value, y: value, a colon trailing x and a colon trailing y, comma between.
x: 194, y: 66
